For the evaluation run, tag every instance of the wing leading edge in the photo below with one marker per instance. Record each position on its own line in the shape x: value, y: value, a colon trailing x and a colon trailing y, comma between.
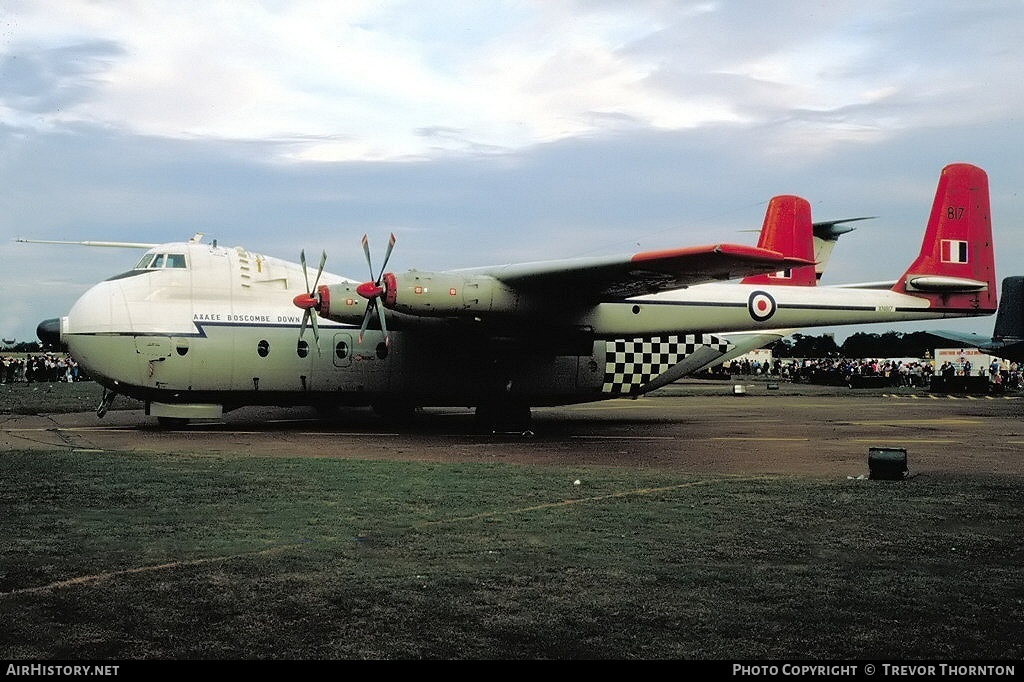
x: 648, y: 272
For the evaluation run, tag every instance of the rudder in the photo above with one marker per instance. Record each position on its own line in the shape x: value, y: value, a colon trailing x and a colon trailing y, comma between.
x: 1010, y: 317
x: 787, y: 229
x: 955, y: 269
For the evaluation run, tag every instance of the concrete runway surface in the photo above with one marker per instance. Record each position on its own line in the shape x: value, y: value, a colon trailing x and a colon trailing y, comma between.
x: 691, y: 426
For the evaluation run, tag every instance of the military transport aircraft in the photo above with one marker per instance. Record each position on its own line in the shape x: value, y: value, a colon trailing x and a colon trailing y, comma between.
x: 787, y: 229
x: 196, y: 329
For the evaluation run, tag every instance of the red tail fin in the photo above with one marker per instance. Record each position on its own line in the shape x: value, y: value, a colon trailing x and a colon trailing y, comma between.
x: 787, y: 229
x: 956, y: 267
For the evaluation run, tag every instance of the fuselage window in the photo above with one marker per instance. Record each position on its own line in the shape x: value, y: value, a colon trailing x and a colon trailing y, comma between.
x: 263, y: 348
x: 303, y: 349
x: 341, y: 350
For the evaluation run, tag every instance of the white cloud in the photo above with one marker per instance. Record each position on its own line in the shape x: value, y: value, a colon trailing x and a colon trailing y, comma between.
x: 360, y: 80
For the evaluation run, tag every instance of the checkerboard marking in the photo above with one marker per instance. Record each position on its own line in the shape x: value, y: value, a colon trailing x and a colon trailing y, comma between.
x: 630, y: 364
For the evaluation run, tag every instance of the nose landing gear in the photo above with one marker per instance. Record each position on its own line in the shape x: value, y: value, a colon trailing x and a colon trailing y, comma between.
x: 105, y: 402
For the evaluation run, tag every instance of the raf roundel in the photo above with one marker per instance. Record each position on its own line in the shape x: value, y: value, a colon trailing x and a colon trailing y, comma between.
x: 761, y: 306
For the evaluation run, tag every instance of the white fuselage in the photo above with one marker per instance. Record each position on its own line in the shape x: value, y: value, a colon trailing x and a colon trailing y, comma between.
x: 223, y: 331
x: 203, y: 324
x: 726, y: 307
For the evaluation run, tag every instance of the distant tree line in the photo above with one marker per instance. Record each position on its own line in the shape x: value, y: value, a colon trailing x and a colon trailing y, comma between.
x: 22, y: 347
x: 891, y: 344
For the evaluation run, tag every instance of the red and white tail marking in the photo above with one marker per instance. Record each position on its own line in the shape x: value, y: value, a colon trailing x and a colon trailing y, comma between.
x: 954, y: 251
x: 787, y: 229
x: 956, y: 267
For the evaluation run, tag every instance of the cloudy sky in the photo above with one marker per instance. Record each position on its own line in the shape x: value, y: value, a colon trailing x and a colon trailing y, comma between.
x: 490, y: 132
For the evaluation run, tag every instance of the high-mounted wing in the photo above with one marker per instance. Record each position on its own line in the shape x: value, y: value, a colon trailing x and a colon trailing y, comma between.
x: 551, y: 285
x: 615, y: 278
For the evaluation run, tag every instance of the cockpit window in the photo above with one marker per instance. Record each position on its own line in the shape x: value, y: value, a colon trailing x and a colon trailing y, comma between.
x: 144, y: 262
x: 152, y: 261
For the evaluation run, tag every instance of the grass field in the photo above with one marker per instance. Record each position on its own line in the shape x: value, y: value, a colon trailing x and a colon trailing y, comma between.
x: 115, y: 556
x: 132, y: 556
x: 57, y: 396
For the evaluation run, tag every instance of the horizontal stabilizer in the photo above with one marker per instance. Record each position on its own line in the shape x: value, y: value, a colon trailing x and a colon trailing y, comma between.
x: 965, y: 339
x: 951, y: 285
x: 833, y: 229
x: 874, y: 286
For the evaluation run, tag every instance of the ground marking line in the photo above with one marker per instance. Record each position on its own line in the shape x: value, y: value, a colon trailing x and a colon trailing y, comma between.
x: 595, y: 498
x: 904, y: 440
x: 85, y: 579
x: 586, y: 437
x: 758, y: 438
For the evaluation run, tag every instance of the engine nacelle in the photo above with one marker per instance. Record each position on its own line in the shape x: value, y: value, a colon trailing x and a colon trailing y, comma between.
x: 441, y: 294
x: 423, y: 294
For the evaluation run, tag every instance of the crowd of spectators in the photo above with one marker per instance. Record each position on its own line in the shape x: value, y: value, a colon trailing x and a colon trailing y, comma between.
x: 61, y: 367
x: 918, y: 374
x: 844, y: 370
x: 44, y: 367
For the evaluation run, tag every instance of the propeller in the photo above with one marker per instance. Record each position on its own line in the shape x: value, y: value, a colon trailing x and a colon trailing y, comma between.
x: 373, y: 290
x: 310, y: 301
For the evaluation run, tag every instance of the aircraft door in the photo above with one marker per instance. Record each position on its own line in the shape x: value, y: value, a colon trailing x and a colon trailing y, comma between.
x: 348, y: 367
x: 153, y: 347
x: 153, y: 351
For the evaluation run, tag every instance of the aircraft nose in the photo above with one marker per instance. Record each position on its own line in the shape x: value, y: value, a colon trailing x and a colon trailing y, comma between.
x: 48, y: 332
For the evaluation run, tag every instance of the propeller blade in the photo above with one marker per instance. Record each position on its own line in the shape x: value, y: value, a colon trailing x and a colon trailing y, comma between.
x: 370, y: 305
x: 372, y: 290
x: 302, y: 259
x: 366, y: 250
x: 309, y: 302
x: 387, y: 257
x: 319, y: 271
x: 383, y: 327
